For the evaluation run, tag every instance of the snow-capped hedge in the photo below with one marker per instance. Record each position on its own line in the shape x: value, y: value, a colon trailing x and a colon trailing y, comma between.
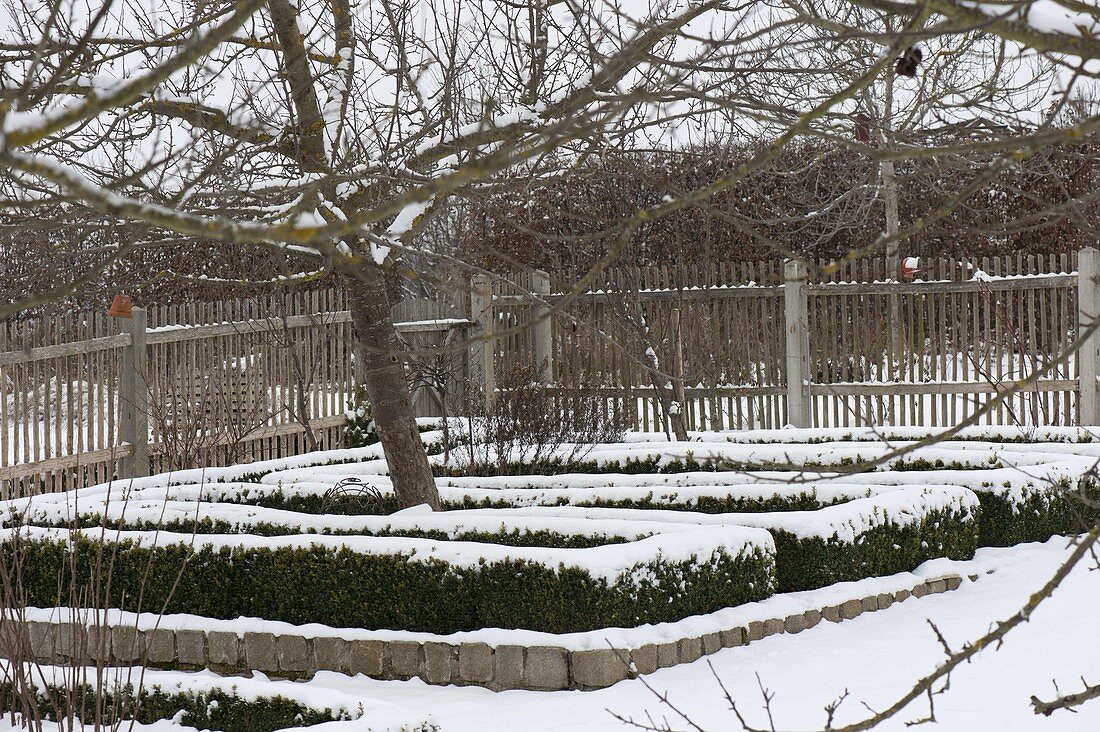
x: 205, y: 517
x: 205, y: 701
x: 215, y: 709
x: 666, y: 457
x: 893, y: 531
x: 298, y: 504
x: 1017, y: 505
x: 875, y: 530
x: 408, y: 583
x: 559, y: 552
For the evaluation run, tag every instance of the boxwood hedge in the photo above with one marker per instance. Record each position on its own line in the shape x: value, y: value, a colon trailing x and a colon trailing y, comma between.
x: 208, y: 525
x: 1040, y: 513
x: 344, y: 588
x: 311, y: 503
x: 213, y: 709
x: 808, y: 563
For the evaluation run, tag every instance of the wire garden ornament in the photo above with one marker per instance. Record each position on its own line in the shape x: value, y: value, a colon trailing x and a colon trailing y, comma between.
x: 352, y: 497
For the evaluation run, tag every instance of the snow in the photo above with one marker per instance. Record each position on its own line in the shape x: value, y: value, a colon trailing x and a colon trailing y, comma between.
x: 845, y: 521
x: 138, y: 511
x: 875, y: 657
x: 162, y: 725
x: 758, y: 464
x: 611, y: 562
x: 1046, y: 16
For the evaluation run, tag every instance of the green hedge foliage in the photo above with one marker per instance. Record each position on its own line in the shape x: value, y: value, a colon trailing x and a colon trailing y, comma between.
x: 1045, y: 511
x: 342, y: 588
x: 311, y: 503
x: 215, y: 709
x: 207, y: 525
x: 810, y: 563
x: 701, y: 504
x: 557, y: 466
x: 654, y: 465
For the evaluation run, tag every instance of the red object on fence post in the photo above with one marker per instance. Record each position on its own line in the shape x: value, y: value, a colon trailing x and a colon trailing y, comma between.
x: 909, y: 268
x: 121, y: 307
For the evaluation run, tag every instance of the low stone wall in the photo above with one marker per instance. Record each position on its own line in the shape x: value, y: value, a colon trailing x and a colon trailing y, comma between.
x: 536, y: 667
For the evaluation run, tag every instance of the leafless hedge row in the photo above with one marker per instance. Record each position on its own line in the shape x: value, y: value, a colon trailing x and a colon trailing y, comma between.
x: 817, y: 199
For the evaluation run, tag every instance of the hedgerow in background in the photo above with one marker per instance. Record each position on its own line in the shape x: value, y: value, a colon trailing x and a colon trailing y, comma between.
x: 521, y: 224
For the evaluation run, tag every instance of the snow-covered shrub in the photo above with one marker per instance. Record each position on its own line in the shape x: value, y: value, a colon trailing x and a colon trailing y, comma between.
x: 549, y: 464
x: 418, y: 584
x: 359, y: 430
x: 517, y: 537
x: 806, y: 563
x: 1013, y: 515
x: 893, y: 530
x: 495, y: 558
x: 212, y: 709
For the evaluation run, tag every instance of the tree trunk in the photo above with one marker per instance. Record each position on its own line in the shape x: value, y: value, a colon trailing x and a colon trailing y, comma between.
x: 673, y: 410
x: 890, y: 197
x: 384, y: 380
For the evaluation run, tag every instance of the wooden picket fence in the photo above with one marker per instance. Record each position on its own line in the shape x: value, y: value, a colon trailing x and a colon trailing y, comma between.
x: 86, y: 397
x: 223, y: 382
x: 928, y: 352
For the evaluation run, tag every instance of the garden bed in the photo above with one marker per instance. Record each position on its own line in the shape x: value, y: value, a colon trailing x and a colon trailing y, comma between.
x: 674, y: 537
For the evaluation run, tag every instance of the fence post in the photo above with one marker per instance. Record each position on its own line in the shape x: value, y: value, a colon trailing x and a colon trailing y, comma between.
x: 134, y: 398
x: 483, y: 345
x: 543, y: 334
x: 1088, y: 355
x: 798, y: 343
x: 678, y: 392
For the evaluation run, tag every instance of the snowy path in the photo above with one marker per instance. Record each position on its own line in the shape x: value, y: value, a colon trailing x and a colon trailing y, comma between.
x: 874, y: 657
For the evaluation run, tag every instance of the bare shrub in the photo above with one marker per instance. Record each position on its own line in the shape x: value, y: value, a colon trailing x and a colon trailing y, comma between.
x: 59, y: 675
x: 526, y: 422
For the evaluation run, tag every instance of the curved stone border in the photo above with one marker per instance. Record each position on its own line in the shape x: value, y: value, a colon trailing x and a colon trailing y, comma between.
x: 535, y: 667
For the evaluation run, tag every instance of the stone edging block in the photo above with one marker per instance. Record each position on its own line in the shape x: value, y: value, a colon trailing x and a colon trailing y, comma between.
x: 541, y: 667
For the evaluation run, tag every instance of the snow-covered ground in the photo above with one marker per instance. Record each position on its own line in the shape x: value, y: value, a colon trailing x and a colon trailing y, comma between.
x: 875, y: 657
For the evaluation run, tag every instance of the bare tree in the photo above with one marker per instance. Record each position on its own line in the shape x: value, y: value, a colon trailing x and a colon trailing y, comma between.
x: 335, y: 134
x: 320, y: 130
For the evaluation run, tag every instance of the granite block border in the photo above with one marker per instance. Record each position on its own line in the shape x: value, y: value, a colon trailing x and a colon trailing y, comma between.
x: 539, y: 667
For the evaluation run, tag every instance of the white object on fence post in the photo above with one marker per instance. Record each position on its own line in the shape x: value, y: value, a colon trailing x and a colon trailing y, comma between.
x: 134, y: 397
x: 483, y: 345
x: 798, y: 343
x: 544, y: 337
x: 1088, y: 355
